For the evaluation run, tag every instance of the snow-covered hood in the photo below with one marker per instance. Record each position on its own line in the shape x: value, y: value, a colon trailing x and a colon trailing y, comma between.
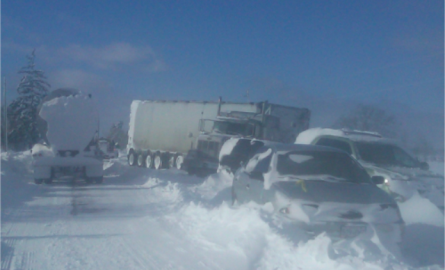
x: 71, y: 121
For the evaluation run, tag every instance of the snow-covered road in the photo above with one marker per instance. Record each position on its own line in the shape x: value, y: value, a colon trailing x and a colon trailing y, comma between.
x: 146, y: 219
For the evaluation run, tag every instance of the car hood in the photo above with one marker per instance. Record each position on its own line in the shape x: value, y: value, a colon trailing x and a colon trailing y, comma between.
x: 317, y: 201
x: 401, y: 173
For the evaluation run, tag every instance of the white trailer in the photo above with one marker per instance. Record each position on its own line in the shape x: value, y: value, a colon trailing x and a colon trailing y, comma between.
x: 68, y: 123
x: 161, y: 133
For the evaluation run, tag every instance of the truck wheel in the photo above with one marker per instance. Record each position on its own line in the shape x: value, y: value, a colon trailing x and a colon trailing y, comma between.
x: 148, y: 161
x: 132, y: 158
x: 178, y: 162
x: 141, y: 160
x: 38, y: 181
x: 171, y: 161
x: 157, y: 162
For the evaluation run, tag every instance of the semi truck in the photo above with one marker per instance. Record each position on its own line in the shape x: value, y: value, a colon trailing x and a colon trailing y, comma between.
x: 68, y: 126
x: 189, y: 134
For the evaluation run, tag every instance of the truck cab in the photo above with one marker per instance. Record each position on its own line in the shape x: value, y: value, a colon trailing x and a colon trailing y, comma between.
x: 203, y: 158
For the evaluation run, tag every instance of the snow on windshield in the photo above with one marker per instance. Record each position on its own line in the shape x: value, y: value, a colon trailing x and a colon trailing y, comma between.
x: 337, y: 165
x: 306, y: 137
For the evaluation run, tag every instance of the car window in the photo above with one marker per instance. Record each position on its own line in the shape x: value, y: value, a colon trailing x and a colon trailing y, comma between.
x: 321, y: 164
x: 385, y: 154
x: 260, y: 162
x: 342, y: 145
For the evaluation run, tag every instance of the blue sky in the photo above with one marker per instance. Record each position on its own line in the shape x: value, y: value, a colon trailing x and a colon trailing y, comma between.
x: 314, y: 54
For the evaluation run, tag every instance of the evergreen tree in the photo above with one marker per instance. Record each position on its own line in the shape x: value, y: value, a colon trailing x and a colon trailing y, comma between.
x: 22, y: 112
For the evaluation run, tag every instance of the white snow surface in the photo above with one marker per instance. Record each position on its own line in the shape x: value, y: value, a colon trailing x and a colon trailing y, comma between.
x: 72, y: 121
x: 147, y: 219
x: 307, y: 136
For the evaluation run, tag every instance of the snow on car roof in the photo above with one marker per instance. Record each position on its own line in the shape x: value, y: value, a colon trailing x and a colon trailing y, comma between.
x: 308, y: 136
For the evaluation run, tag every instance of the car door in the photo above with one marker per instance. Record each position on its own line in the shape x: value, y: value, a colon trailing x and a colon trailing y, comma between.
x: 256, y: 168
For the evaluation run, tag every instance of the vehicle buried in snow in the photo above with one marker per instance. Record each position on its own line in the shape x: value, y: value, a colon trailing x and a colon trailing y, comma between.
x: 188, y: 135
x: 67, y: 123
x: 319, y: 189
x: 403, y: 174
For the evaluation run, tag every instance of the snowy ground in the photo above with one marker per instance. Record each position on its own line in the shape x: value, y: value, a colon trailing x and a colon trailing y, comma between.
x: 146, y: 219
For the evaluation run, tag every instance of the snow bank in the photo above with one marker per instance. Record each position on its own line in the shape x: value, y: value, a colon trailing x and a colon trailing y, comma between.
x: 214, y: 184
x: 437, y: 167
x: 72, y: 122
x: 420, y: 210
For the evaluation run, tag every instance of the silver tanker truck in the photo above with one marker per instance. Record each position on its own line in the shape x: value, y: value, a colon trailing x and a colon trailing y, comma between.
x: 188, y: 135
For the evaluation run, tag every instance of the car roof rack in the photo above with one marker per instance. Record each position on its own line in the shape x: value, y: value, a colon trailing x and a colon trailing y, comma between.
x: 359, y: 132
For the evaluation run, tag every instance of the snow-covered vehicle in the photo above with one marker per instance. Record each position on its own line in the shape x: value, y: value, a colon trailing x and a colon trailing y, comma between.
x: 67, y: 123
x: 404, y: 175
x: 237, y: 151
x: 188, y: 135
x: 320, y: 189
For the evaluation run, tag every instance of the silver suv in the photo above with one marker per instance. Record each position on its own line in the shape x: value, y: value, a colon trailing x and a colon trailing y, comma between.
x: 404, y: 175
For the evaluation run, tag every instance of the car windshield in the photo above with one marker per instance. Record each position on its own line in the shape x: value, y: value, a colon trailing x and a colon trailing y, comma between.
x: 317, y: 165
x: 385, y: 154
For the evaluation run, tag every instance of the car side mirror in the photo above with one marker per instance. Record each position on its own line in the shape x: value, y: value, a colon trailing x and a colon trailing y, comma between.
x: 424, y: 166
x: 378, y: 180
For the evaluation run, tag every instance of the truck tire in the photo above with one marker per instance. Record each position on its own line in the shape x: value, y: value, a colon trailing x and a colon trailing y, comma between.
x: 132, y: 157
x: 171, y: 161
x: 141, y: 160
x: 157, y: 162
x: 179, y: 159
x: 148, y: 161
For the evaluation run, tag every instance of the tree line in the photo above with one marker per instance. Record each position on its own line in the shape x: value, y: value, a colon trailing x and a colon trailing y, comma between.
x: 19, y: 127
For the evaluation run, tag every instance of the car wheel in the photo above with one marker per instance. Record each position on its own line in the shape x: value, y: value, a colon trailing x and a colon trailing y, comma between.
x: 178, y: 162
x: 99, y: 180
x: 157, y: 162
x: 89, y: 180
